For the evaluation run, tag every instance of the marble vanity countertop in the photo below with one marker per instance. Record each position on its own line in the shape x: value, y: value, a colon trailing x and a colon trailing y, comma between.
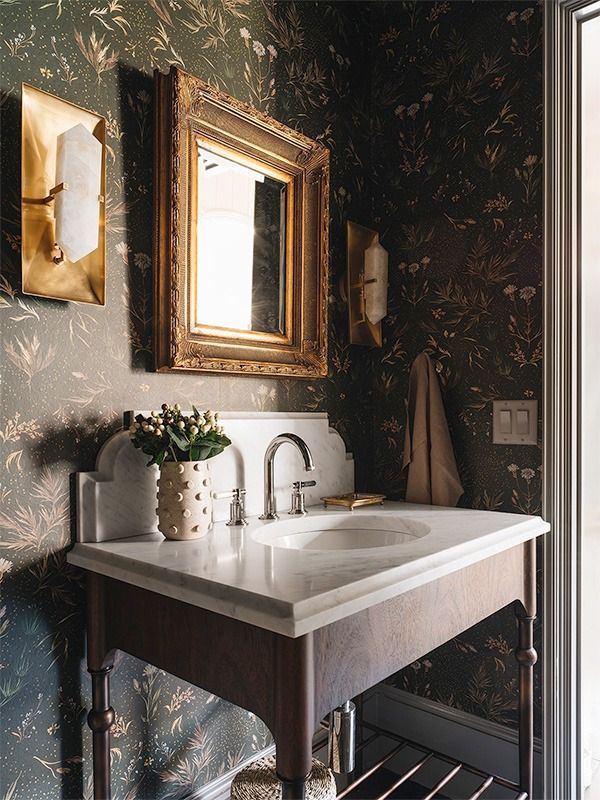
x: 293, y: 592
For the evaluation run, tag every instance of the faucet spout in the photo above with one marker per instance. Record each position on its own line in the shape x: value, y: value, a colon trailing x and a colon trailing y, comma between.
x: 270, y: 511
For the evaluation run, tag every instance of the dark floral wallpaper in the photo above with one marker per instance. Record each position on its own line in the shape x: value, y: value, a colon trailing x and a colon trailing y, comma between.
x: 432, y: 113
x: 456, y: 125
x: 69, y: 370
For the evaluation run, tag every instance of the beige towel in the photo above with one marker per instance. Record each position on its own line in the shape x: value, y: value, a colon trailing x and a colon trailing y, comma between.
x: 428, y: 454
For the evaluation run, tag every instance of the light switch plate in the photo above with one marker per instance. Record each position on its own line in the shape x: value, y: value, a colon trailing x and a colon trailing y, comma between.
x: 523, y: 418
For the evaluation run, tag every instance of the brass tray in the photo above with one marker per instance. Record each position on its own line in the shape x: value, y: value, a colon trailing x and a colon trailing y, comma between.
x: 354, y: 500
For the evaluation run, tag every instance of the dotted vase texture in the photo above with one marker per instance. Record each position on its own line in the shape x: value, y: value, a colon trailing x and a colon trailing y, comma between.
x: 184, y: 500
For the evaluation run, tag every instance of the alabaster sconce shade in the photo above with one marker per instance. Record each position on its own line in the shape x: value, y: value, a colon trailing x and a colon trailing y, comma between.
x: 62, y: 205
x: 376, y: 282
x: 365, y: 286
x: 77, y: 207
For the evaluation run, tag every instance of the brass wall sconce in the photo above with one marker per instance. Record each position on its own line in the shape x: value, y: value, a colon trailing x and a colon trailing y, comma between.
x: 62, y: 202
x: 365, y: 284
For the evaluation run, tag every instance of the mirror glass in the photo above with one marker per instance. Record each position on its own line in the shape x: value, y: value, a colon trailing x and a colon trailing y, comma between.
x: 241, y: 246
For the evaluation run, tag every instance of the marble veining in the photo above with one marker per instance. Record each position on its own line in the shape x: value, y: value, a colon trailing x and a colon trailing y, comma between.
x: 239, y: 573
x: 118, y: 499
x: 275, y: 574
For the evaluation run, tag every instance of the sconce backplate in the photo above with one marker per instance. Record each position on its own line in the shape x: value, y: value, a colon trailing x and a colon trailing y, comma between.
x: 44, y: 118
x: 361, y: 331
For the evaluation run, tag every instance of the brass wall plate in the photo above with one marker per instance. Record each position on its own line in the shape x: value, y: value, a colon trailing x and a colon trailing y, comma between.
x: 189, y: 111
x: 44, y: 117
x: 360, y: 330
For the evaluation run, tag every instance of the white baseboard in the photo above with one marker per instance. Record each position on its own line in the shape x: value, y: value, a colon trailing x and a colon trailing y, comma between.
x: 469, y: 739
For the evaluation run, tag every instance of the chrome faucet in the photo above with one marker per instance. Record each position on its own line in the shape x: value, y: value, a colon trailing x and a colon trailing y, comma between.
x: 270, y: 512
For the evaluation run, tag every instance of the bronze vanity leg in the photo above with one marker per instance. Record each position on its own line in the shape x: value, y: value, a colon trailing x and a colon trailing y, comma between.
x: 100, y: 719
x: 100, y: 664
x: 526, y: 658
x: 294, y: 714
x: 293, y: 790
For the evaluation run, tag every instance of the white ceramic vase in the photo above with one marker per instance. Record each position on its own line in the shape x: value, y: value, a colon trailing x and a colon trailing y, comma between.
x: 184, y: 500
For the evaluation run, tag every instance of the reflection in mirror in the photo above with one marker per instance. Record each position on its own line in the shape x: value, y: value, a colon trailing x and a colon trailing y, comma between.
x: 241, y: 237
x: 241, y: 251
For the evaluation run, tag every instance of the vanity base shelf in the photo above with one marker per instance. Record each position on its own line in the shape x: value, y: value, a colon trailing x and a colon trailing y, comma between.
x: 421, y: 758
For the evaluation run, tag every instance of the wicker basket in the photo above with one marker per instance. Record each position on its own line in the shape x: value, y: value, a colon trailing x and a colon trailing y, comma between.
x: 258, y: 781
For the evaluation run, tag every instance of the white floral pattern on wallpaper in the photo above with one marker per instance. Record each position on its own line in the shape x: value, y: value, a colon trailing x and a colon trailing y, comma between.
x: 426, y: 108
x: 70, y: 370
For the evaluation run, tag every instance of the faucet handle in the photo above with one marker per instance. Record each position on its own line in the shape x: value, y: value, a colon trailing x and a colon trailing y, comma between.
x: 298, y: 507
x: 227, y: 495
x: 237, y: 511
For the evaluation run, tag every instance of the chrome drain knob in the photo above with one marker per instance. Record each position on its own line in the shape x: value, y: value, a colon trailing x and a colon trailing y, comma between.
x: 342, y: 738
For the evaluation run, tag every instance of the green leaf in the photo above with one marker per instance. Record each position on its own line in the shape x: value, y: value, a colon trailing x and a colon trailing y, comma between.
x: 205, y: 452
x: 179, y: 439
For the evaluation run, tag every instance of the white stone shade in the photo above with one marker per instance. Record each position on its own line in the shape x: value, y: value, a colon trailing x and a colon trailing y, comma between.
x: 376, y: 282
x: 77, y: 209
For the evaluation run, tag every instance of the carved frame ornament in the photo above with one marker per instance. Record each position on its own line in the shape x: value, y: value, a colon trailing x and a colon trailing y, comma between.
x: 189, y: 112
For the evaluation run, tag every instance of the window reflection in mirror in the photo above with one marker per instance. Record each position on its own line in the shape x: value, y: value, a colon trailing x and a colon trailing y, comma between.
x: 241, y: 251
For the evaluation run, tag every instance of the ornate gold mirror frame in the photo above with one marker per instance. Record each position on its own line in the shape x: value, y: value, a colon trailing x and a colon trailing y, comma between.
x: 190, y: 113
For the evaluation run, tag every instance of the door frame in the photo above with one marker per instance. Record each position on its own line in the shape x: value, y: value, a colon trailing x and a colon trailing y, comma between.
x: 562, y: 418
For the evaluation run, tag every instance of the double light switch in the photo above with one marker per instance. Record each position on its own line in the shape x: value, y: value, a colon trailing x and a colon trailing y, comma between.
x: 515, y: 422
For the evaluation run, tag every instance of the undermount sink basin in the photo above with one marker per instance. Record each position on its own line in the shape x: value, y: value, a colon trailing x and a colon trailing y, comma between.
x: 341, y: 532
